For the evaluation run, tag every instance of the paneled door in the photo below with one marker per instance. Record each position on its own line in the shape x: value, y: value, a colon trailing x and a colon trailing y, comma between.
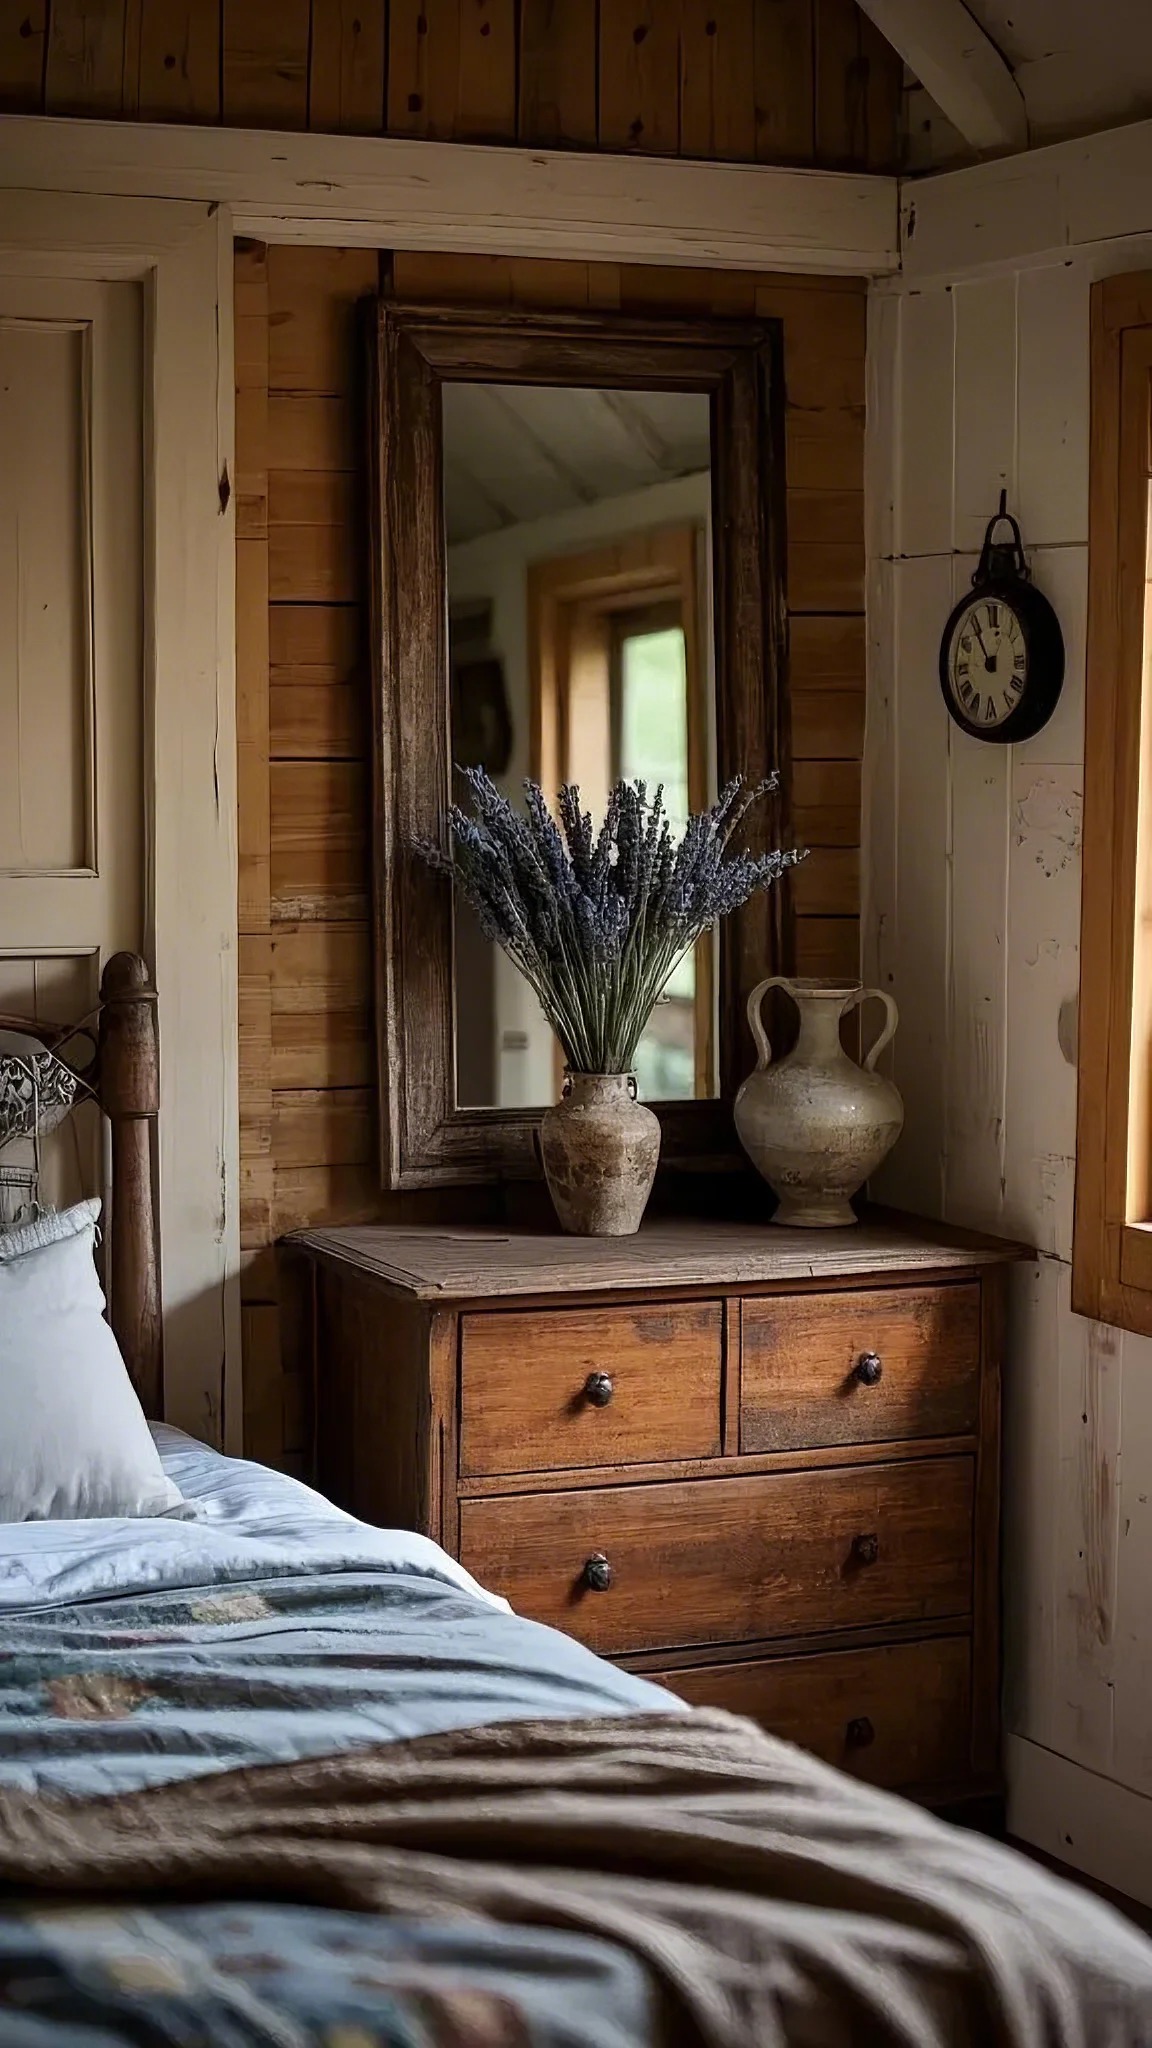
x: 71, y: 690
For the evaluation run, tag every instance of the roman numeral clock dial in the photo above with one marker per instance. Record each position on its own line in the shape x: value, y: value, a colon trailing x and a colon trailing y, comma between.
x: 1002, y: 651
x: 989, y: 662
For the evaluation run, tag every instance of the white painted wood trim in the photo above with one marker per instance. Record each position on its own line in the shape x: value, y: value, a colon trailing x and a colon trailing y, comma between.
x: 959, y: 66
x: 1069, y: 198
x: 1090, y: 1822
x: 191, y: 643
x: 182, y: 255
x: 386, y: 191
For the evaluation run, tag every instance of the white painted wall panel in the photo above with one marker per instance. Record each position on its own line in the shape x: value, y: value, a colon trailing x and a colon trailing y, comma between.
x: 984, y: 404
x: 1061, y: 572
x: 879, y: 852
x: 1041, y: 988
x: 974, y: 1134
x: 71, y: 577
x: 1031, y: 1457
x: 1083, y: 1504
x: 1052, y: 419
x: 1132, y: 1635
x: 71, y: 681
x: 916, y: 939
x: 972, y: 914
x: 45, y: 578
x: 925, y: 423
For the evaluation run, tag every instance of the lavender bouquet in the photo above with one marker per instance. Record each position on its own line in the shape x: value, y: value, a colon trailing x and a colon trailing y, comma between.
x: 597, y: 921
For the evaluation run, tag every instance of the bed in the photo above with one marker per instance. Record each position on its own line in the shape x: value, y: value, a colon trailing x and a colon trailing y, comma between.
x: 268, y: 1774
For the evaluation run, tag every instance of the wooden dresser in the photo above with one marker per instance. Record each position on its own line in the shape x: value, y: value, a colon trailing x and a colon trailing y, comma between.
x: 759, y: 1465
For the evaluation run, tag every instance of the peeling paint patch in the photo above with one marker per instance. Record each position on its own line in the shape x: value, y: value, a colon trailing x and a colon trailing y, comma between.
x: 1054, y: 1170
x: 1068, y: 1028
x: 1047, y: 824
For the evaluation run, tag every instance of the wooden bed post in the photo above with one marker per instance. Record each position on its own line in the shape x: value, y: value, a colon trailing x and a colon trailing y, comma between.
x: 130, y: 1096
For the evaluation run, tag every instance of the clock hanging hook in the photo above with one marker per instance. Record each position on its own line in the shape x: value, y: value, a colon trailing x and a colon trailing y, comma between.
x: 1001, y: 559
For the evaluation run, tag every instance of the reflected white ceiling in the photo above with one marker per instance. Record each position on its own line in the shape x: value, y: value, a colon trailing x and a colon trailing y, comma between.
x: 515, y: 452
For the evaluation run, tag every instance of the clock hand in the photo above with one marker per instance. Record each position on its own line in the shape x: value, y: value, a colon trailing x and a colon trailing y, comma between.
x: 989, y: 659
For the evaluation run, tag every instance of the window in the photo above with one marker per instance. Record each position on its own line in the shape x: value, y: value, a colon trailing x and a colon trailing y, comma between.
x: 619, y: 690
x: 1112, y: 1246
x: 649, y: 710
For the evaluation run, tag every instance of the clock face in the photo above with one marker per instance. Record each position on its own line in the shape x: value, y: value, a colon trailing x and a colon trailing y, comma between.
x: 986, y: 663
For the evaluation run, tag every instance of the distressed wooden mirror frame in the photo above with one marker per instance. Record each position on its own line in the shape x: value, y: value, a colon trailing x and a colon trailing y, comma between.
x: 424, y: 1138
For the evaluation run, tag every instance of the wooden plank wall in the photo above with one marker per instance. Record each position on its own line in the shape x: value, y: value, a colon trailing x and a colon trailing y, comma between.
x: 805, y: 81
x: 307, y: 1107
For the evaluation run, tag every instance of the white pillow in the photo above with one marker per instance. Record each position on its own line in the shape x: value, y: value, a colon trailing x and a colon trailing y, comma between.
x: 73, y: 1439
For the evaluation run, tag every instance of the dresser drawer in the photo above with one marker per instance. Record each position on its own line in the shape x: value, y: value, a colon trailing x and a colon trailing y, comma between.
x: 897, y: 1716
x: 555, y: 1388
x: 862, y: 1367
x: 721, y: 1560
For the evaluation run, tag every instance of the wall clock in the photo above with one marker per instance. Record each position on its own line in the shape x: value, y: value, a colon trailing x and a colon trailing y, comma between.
x: 1002, y: 653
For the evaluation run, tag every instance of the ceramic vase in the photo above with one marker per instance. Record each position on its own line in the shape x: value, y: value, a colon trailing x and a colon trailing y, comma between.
x: 816, y: 1123
x: 599, y: 1147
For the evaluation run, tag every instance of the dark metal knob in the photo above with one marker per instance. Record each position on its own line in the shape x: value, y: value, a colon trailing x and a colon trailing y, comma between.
x: 598, y: 1389
x: 868, y: 1369
x: 865, y: 1549
x: 859, y: 1733
x: 597, y: 1573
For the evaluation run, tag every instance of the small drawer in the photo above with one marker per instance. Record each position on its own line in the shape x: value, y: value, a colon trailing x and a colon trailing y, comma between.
x: 897, y: 1716
x: 558, y: 1388
x: 634, y: 1568
x: 873, y: 1366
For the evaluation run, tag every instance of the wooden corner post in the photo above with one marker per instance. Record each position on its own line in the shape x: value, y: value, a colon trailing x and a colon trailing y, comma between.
x: 130, y: 1098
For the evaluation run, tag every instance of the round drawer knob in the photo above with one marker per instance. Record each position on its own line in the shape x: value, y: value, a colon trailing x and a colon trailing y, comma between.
x: 597, y: 1573
x: 598, y: 1389
x: 859, y: 1733
x: 865, y: 1549
x: 868, y: 1369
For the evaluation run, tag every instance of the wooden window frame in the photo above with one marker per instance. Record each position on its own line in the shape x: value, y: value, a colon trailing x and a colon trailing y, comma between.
x: 1112, y: 1238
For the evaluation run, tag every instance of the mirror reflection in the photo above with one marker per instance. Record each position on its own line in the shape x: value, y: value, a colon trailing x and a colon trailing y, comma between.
x: 580, y: 648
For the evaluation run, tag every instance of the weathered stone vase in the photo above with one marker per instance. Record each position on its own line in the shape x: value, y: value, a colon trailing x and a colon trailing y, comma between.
x: 599, y: 1148
x: 816, y: 1123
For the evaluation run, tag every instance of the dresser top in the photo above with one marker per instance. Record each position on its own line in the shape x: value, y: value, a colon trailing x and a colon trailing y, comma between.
x: 450, y: 1262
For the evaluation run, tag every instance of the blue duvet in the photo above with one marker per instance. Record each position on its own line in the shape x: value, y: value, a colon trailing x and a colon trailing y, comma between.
x: 272, y: 1626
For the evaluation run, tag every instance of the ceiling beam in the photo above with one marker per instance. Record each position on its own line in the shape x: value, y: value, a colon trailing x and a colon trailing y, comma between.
x: 959, y: 66
x: 390, y: 192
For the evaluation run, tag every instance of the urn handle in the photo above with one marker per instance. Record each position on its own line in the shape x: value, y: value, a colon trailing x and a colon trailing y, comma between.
x: 864, y: 995
x: 755, y: 1020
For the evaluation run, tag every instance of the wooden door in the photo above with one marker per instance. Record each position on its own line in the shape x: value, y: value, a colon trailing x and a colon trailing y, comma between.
x: 71, y: 698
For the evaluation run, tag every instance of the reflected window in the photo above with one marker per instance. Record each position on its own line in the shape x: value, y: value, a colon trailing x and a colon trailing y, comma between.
x: 650, y: 718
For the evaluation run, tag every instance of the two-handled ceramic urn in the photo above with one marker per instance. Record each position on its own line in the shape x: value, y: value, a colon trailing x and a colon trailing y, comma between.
x: 816, y: 1123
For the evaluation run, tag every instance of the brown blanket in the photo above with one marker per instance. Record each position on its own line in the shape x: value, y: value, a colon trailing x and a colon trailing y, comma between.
x: 772, y: 1900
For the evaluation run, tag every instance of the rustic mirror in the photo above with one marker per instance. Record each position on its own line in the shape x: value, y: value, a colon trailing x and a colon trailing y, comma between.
x: 576, y: 576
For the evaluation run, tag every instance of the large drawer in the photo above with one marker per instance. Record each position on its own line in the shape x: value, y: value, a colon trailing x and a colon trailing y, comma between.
x: 725, y: 1560
x: 541, y: 1390
x: 898, y: 1715
x: 868, y: 1366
